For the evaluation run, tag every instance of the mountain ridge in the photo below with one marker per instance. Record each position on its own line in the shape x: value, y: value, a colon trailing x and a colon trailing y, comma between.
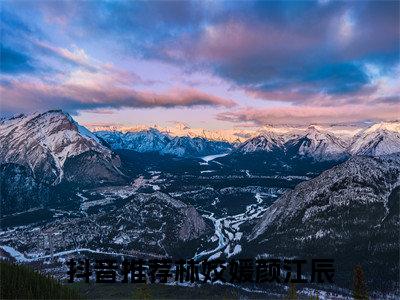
x: 379, y: 139
x: 314, y: 141
x: 350, y: 208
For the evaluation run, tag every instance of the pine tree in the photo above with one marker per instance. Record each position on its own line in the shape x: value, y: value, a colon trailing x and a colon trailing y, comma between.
x: 359, y: 286
x: 23, y: 282
x: 292, y: 294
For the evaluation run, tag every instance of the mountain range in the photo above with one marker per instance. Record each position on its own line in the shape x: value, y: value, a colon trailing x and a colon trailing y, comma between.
x: 237, y: 135
x: 350, y: 212
x: 338, y: 193
x: 379, y: 139
x: 315, y: 142
x: 50, y: 147
x: 152, y: 140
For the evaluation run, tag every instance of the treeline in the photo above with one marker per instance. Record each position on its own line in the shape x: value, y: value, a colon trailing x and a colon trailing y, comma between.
x: 22, y: 282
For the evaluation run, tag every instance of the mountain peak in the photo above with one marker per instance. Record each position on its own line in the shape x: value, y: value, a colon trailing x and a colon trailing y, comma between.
x: 379, y: 139
x: 268, y: 141
x: 389, y: 126
x: 44, y: 141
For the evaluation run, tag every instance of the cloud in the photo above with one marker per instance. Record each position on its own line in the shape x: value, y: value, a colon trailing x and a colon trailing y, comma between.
x: 76, y: 57
x: 319, y: 50
x: 310, y: 114
x: 303, y: 53
x: 71, y: 95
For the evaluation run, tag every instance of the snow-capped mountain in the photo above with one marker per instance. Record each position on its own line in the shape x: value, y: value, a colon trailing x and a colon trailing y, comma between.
x: 152, y: 140
x: 318, y: 144
x: 314, y: 143
x: 187, y: 146
x: 266, y: 142
x: 351, y: 208
x: 183, y: 130
x: 56, y: 148
x: 237, y: 135
x: 379, y: 139
x: 322, y: 144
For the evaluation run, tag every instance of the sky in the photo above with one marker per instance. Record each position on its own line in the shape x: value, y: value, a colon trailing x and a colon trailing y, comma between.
x: 208, y: 64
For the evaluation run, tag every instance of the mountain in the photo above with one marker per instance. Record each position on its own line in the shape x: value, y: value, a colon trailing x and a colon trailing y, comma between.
x: 43, y: 150
x: 266, y: 142
x: 313, y: 143
x: 187, y: 146
x: 126, y: 222
x: 152, y: 140
x: 183, y: 130
x: 318, y: 145
x: 379, y: 139
x: 322, y: 143
x: 351, y: 208
x: 56, y: 148
x: 237, y: 135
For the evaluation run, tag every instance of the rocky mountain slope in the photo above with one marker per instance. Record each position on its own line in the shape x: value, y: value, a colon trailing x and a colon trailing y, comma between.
x: 53, y: 145
x: 318, y: 145
x: 133, y: 223
x: 350, y: 213
x: 379, y: 139
x: 150, y: 140
x: 43, y: 150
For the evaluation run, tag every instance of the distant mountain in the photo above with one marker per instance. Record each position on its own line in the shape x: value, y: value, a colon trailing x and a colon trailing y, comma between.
x: 266, y: 142
x: 351, y: 208
x: 238, y: 135
x: 187, y: 146
x: 379, y: 139
x: 320, y: 144
x: 313, y: 143
x: 152, y: 140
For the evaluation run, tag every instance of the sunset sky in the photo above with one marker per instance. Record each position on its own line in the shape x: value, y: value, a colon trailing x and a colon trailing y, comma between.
x: 209, y: 64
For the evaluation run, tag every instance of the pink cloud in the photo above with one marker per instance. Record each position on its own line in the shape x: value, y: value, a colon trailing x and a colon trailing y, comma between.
x: 306, y: 94
x: 23, y: 96
x: 310, y: 114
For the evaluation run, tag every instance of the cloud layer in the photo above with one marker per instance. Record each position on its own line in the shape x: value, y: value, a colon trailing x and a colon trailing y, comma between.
x: 307, y: 59
x: 310, y: 114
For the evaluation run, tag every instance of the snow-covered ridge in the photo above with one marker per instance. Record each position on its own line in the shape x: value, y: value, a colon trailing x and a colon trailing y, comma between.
x: 317, y: 142
x: 44, y: 141
x: 236, y: 135
x: 345, y: 183
x: 266, y: 142
x: 379, y: 139
x: 152, y: 140
x: 54, y: 136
